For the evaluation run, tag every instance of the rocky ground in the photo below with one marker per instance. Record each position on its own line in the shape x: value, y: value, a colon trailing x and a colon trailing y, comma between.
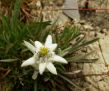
x: 96, y: 74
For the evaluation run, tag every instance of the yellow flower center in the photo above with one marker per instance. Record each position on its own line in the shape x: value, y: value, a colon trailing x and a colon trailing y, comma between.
x: 43, y: 51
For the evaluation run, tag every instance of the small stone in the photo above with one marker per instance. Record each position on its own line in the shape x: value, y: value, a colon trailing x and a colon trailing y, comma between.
x: 103, y: 31
x: 98, y: 29
x: 59, y: 2
x: 38, y: 4
x: 88, y: 27
x: 82, y: 22
x: 73, y: 14
x: 99, y: 35
x: 92, y: 34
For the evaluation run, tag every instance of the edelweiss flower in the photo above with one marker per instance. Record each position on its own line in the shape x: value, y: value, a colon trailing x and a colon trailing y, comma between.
x: 43, y: 57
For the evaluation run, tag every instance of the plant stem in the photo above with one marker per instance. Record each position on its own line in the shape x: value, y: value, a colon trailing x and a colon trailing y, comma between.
x: 35, y: 85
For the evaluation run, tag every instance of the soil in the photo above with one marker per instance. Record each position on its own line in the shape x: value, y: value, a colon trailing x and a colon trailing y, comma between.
x: 100, y: 19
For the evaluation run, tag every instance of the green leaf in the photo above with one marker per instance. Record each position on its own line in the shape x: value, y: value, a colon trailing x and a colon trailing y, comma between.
x: 15, y: 14
x: 77, y: 47
x: 90, y: 42
x: 86, y: 60
x: 6, y: 23
x: 79, y: 57
x: 65, y: 51
x: 8, y: 60
x: 68, y: 35
x: 69, y: 81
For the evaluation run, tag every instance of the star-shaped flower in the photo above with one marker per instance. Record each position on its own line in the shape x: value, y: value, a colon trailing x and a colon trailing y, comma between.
x: 43, y: 57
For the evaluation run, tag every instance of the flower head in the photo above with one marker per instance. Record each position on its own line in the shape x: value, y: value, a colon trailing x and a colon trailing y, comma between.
x: 43, y: 57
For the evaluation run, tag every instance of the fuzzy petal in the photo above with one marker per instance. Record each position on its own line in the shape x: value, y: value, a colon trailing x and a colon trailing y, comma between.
x: 52, y: 47
x: 38, y: 44
x: 48, y: 40
x: 29, y: 46
x: 51, y: 68
x: 35, y: 74
x: 42, y: 67
x: 57, y: 58
x: 28, y: 62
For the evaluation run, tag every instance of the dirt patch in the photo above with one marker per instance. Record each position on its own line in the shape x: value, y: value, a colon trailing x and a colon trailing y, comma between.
x: 97, y: 19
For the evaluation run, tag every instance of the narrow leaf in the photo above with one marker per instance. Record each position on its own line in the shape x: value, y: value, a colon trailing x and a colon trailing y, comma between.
x: 8, y: 60
x: 69, y: 81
